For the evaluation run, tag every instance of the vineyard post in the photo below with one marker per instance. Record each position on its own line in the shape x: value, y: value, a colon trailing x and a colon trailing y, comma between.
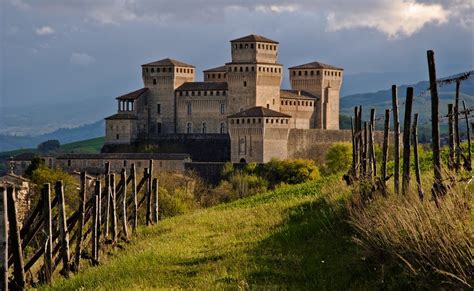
x: 113, y: 208
x: 438, y: 187
x: 396, y: 142
x: 82, y: 211
x: 95, y: 215
x: 124, y: 203
x: 355, y: 148
x: 98, y: 198
x: 451, y: 163
x: 108, y: 194
x: 468, y: 134
x: 373, y: 167
x: 155, y: 197
x: 366, y: 149
x: 456, y: 128
x: 135, y: 200
x: 406, y: 141
x: 360, y: 141
x: 148, y: 193
x: 386, y: 129
x: 18, y: 270
x: 353, y: 168
x: 416, y: 157
x: 4, y: 238
x: 64, y: 234
x: 48, y: 230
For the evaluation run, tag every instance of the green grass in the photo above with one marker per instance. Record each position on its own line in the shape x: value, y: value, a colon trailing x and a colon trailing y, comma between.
x: 295, y: 237
x: 85, y: 146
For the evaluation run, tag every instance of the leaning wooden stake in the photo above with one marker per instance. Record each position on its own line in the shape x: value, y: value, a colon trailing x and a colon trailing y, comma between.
x: 18, y: 270
x: 438, y: 186
x: 82, y: 211
x: 396, y: 140
x: 451, y: 161
x: 3, y: 239
x: 95, y: 221
x: 155, y: 199
x: 149, y: 189
x: 353, y: 167
x: 406, y: 141
x: 416, y: 157
x: 48, y: 230
x: 468, y: 163
x: 135, y: 198
x: 108, y: 199
x: 113, y: 208
x: 64, y: 233
x: 372, y: 159
x: 386, y: 129
x: 457, y: 139
x: 124, y: 203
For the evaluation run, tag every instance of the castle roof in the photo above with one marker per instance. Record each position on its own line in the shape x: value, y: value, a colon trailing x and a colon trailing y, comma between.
x: 122, y: 115
x: 316, y: 65
x: 126, y: 156
x: 133, y: 95
x: 168, y: 62
x: 218, y: 69
x: 201, y: 86
x: 259, y: 111
x: 296, y: 94
x: 254, y: 38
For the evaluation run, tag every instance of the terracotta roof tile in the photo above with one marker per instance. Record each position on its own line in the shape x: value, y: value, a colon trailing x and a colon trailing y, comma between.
x: 133, y: 95
x: 316, y: 65
x: 296, y: 94
x: 254, y: 38
x: 218, y: 69
x: 168, y: 62
x: 198, y: 86
x: 122, y: 115
x: 259, y: 111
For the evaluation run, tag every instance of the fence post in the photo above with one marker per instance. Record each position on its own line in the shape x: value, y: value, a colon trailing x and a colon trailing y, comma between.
x: 96, y: 221
x: 18, y: 270
x: 438, y: 187
x: 396, y: 140
x: 113, y: 208
x: 64, y: 234
x: 108, y: 194
x: 135, y: 199
x: 468, y: 165
x: 82, y: 211
x: 406, y: 141
x: 373, y: 166
x: 149, y: 189
x: 155, y: 197
x: 366, y: 149
x: 4, y: 238
x: 451, y: 163
x: 416, y: 157
x: 360, y: 143
x: 124, y: 203
x: 456, y: 128
x: 48, y: 229
x: 386, y: 129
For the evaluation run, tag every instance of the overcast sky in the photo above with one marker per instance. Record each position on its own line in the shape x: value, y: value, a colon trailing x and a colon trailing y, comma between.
x: 54, y: 50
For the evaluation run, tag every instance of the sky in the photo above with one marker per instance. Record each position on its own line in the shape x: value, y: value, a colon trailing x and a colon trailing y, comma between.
x: 57, y: 51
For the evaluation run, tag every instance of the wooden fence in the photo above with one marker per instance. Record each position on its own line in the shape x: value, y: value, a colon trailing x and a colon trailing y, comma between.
x: 107, y: 214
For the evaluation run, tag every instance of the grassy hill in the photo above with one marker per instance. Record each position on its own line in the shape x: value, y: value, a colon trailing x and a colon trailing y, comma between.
x: 295, y: 237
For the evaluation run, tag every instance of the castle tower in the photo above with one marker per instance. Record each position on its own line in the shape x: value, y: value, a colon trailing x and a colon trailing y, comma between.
x: 323, y: 81
x: 162, y: 78
x: 254, y: 76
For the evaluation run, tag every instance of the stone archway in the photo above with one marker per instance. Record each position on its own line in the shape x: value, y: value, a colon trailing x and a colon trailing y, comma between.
x: 243, y: 161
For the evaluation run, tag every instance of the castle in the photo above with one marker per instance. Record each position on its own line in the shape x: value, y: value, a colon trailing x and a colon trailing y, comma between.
x: 242, y: 100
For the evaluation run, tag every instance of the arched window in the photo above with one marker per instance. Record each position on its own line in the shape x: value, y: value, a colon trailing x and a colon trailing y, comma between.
x: 222, y: 108
x: 190, y: 108
x: 222, y: 130
x: 204, y: 127
x: 245, y: 83
x: 189, y: 127
x: 154, y: 81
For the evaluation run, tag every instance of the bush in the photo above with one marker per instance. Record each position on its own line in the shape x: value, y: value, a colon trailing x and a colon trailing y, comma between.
x: 289, y: 171
x: 339, y: 158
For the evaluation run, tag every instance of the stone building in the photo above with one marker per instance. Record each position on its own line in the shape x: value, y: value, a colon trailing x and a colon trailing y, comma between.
x: 242, y: 99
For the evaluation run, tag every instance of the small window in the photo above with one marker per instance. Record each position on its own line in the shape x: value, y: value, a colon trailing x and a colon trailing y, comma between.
x: 246, y: 45
x: 69, y: 161
x: 294, y: 73
x: 241, y: 46
x: 222, y: 129
x: 158, y: 127
x: 268, y: 106
x: 218, y: 93
x: 213, y: 76
x: 204, y: 127
x: 190, y: 109
x: 152, y: 70
x: 211, y: 93
x: 219, y: 76
x: 124, y: 163
x: 222, y: 108
x: 154, y: 81
x: 189, y: 127
x: 241, y: 69
x: 299, y: 73
x: 245, y: 83
x: 266, y: 120
x: 251, y: 46
x: 306, y: 73
x: 117, y: 136
x: 246, y: 69
x: 158, y: 108
x: 169, y: 70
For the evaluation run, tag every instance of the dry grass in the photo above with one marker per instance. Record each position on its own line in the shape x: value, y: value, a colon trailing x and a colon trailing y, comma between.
x: 435, y: 245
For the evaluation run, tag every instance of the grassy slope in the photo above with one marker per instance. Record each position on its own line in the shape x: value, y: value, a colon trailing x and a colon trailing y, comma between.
x: 291, y: 237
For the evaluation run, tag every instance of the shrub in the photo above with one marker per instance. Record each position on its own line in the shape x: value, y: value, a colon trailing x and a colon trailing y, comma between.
x: 289, y: 171
x: 339, y: 158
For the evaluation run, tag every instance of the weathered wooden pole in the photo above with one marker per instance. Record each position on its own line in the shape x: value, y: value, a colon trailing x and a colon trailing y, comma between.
x: 13, y: 225
x: 468, y: 164
x: 438, y: 187
x: 416, y: 157
x: 135, y: 198
x: 353, y: 167
x: 64, y: 233
x: 95, y: 220
x: 155, y: 199
x: 124, y: 203
x: 396, y: 140
x: 451, y: 162
x: 149, y: 189
x: 373, y: 161
x: 3, y: 238
x: 48, y: 230
x: 360, y: 142
x: 386, y: 130
x: 406, y: 141
x: 113, y: 208
x: 82, y: 211
x: 108, y: 194
x: 366, y: 149
x: 457, y: 139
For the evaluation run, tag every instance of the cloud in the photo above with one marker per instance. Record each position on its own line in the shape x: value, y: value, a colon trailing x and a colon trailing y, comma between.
x: 44, y: 30
x: 81, y: 59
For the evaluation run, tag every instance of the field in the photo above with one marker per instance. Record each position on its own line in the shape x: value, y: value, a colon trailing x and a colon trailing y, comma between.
x: 294, y: 237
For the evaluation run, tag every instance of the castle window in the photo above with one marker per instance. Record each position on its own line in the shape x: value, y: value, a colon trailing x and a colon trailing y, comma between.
x: 69, y: 161
x: 235, y: 69
x: 286, y: 121
x: 230, y: 69
x: 266, y: 47
x: 187, y: 93
x: 199, y: 93
x: 248, y: 120
x: 189, y: 127
x: 237, y: 121
x: 192, y: 93
x: 259, y: 120
x: 224, y: 93
x: 124, y: 163
x: 158, y: 127
x: 272, y: 121
x: 205, y: 93
x: 117, y: 136
x: 241, y: 46
x: 251, y: 46
x: 158, y: 108
x: 231, y: 121
x: 253, y: 69
x: 271, y: 70
x: 299, y: 73
x: 218, y: 93
x: 241, y: 69
x: 259, y: 69
x: 339, y: 74
x: 224, y: 75
x: 213, y: 76
x: 219, y: 76
x: 204, y: 127
x: 180, y: 93
x: 157, y: 70
x: 222, y: 108
x: 268, y: 106
x: 245, y: 83
x: 258, y: 46
x: 312, y: 73
x: 243, y: 121
x: 190, y: 109
x: 212, y: 93
x: 277, y: 120
x: 208, y: 76
x: 282, y: 102
x: 154, y: 81
x: 298, y: 103
x: 273, y: 101
x: 294, y: 73
x: 306, y: 73
x: 222, y: 129
x: 152, y: 70
x: 246, y: 69
x: 317, y: 73
x: 246, y: 45
x: 235, y: 46
x: 253, y: 120
x: 169, y: 70
x: 266, y: 120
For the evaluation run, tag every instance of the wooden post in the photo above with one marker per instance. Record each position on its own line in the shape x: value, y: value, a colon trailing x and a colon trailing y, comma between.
x: 82, y: 211
x: 48, y: 230
x: 360, y: 142
x: 385, y: 145
x: 64, y: 233
x: 438, y: 187
x: 18, y: 270
x: 365, y: 150
x: 406, y: 141
x: 135, y: 198
x: 457, y: 139
x: 468, y: 164
x: 415, y: 155
x: 396, y: 140
x: 124, y: 203
x: 451, y: 162
x: 155, y: 198
x: 355, y: 153
x: 373, y: 162
x: 108, y: 194
x: 113, y: 208
x: 95, y: 220
x: 149, y: 189
x: 3, y: 239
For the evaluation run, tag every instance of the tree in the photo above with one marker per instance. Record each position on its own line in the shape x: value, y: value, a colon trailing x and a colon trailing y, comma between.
x: 49, y: 146
x: 36, y: 163
x: 339, y: 157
